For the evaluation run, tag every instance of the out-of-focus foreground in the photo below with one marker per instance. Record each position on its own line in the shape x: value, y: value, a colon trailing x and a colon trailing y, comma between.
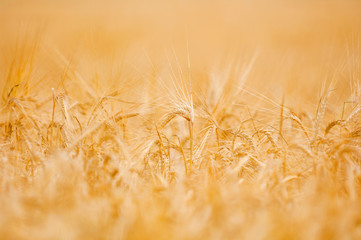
x: 180, y: 119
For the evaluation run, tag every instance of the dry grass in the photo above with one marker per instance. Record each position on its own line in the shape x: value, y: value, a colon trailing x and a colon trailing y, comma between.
x: 180, y: 119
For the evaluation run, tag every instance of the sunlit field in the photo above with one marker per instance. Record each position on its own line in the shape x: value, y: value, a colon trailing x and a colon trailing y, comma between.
x: 180, y: 119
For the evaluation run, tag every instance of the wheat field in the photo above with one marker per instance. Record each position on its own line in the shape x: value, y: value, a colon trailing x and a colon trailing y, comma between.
x: 180, y: 119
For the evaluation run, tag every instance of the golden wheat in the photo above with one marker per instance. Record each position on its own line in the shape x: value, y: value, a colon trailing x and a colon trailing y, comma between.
x: 180, y: 119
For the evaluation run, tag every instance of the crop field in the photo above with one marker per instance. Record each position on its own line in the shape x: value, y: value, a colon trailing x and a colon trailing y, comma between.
x: 180, y: 119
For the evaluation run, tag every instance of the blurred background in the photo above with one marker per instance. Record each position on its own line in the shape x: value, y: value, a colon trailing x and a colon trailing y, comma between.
x: 296, y: 44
